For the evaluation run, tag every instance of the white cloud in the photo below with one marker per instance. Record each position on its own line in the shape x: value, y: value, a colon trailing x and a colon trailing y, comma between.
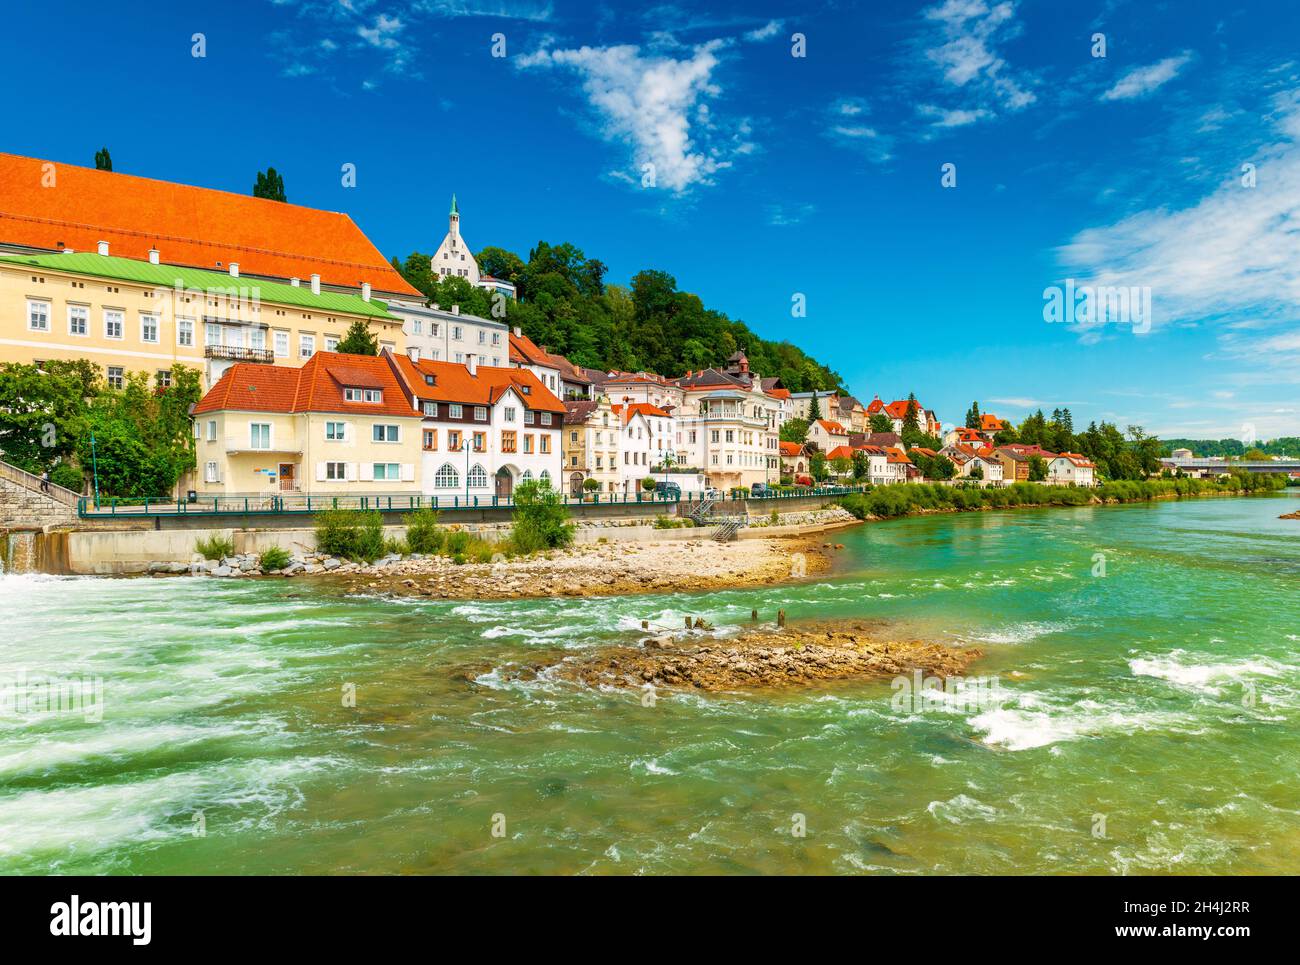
x: 964, y: 44
x: 657, y: 105
x: 765, y: 32
x: 947, y: 118
x: 1142, y: 81
x: 383, y: 32
x: 785, y: 215
x: 1232, y: 258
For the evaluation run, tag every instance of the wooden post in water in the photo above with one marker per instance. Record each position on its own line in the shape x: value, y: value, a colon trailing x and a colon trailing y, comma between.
x: 753, y: 616
x: 645, y: 624
x: 780, y: 618
x: 688, y: 623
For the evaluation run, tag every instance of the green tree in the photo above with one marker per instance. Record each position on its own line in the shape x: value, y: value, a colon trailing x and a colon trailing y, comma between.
x: 817, y: 466
x: 43, y: 411
x: 1037, y: 469
x: 841, y: 465
x: 541, y: 521
x: 358, y: 340
x: 861, y: 464
x: 794, y: 430
x: 973, y: 416
x: 103, y: 160
x: 880, y: 422
x: 269, y: 185
x: 814, y: 408
x: 911, y: 416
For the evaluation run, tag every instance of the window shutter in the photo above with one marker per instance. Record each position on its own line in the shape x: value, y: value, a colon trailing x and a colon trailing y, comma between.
x: 367, y: 472
x: 408, y: 472
x: 350, y: 472
x: 320, y: 472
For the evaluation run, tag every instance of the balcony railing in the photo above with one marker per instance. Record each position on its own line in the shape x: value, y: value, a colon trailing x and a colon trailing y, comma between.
x: 237, y: 353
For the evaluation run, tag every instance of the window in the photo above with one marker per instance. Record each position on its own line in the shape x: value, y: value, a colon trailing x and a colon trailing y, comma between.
x: 112, y: 324
x: 389, y: 471
x: 38, y: 316
x: 164, y: 378
x: 430, y: 439
x: 431, y: 409
x: 528, y: 417
x: 478, y: 477
x: 417, y: 327
x: 546, y: 418
x: 507, y: 441
x: 282, y: 345
x: 457, y: 333
x: 211, y: 334
x: 212, y: 430
x: 573, y: 437
x: 336, y: 431
x: 149, y: 328
x: 480, y: 441
x: 528, y: 474
x: 446, y: 477
x: 496, y: 338
x: 259, y: 435
x: 363, y: 395
x: 455, y: 411
x: 210, y: 473
x: 257, y: 339
x: 528, y: 442
x: 306, y: 346
x: 78, y: 319
x: 480, y: 413
x: 184, y: 331
x: 336, y: 471
x: 331, y: 343
x: 482, y: 337
x: 453, y: 441
x: 116, y: 377
x: 510, y: 413
x: 380, y: 432
x: 545, y: 442
x: 545, y: 476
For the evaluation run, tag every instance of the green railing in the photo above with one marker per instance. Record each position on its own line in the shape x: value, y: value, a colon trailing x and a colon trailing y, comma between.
x: 289, y: 504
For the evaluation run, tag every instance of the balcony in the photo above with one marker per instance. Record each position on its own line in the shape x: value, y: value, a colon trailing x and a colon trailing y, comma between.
x: 237, y: 353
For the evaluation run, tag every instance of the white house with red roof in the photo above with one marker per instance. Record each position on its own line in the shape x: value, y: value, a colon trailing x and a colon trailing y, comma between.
x: 827, y: 434
x: 645, y: 440
x: 896, y: 412
x: 483, y: 429
x: 1071, y: 469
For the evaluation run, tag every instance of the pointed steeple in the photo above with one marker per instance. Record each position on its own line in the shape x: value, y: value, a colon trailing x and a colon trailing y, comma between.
x: 454, y: 210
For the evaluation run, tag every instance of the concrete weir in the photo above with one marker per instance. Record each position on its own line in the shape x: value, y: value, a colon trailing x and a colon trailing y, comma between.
x: 34, y: 551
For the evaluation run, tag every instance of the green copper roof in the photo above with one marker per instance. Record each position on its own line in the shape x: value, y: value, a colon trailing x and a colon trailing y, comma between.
x: 454, y: 209
x: 168, y: 276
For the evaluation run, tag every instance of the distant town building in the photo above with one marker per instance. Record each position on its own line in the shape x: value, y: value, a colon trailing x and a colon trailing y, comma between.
x: 453, y: 259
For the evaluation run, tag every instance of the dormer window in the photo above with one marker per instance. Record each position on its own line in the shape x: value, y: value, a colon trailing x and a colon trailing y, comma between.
x: 363, y: 395
x: 430, y: 380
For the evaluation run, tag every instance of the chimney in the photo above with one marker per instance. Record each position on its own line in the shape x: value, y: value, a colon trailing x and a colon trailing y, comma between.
x: 455, y: 309
x: 365, y: 291
x: 471, y: 363
x: 103, y: 247
x: 68, y: 251
x: 234, y: 269
x: 315, y: 284
x: 154, y: 255
x: 295, y: 282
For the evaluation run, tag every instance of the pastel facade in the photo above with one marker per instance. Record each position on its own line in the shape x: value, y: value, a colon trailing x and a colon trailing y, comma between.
x: 646, y: 440
x: 338, y: 425
x: 827, y: 435
x: 129, y: 316
x: 448, y: 336
x: 1071, y: 469
x: 591, y: 445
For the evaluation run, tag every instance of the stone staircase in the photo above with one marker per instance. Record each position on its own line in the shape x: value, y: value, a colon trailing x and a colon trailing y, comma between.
x: 23, y: 505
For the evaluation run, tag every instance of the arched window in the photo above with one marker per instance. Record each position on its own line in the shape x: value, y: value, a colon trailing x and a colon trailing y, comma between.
x: 477, y: 477
x: 546, y: 474
x: 528, y: 474
x: 446, y: 477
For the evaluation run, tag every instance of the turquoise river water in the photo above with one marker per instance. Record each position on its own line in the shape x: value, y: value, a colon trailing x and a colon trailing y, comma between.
x: 1144, y: 721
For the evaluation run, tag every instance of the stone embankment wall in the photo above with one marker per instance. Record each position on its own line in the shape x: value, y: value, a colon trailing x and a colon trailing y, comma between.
x: 24, y: 508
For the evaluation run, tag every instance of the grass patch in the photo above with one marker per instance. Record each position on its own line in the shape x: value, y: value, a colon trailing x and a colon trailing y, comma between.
x: 215, y: 547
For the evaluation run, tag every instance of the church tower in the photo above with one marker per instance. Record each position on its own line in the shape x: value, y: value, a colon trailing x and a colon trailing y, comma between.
x: 453, y: 258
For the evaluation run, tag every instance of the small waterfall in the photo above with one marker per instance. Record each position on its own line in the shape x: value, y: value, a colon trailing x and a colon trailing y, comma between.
x: 20, y: 552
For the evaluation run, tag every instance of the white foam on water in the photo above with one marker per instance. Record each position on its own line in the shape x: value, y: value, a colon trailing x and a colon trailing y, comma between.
x: 1016, y: 633
x: 961, y: 809
x: 1186, y: 670
x: 1031, y: 722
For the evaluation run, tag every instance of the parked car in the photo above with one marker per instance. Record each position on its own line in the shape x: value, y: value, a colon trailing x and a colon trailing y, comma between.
x: 759, y: 489
x: 668, y: 490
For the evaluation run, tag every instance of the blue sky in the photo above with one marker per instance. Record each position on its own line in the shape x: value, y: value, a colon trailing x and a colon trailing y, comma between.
x: 774, y: 175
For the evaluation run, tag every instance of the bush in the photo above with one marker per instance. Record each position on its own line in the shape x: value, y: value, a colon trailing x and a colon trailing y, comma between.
x: 275, y: 558
x: 457, y: 542
x: 540, y: 520
x: 648, y: 484
x: 68, y: 476
x: 354, y: 534
x: 591, y: 485
x: 422, y: 532
x: 396, y: 546
x: 215, y: 547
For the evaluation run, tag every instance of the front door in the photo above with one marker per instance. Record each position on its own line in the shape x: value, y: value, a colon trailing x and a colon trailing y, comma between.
x: 505, y: 484
x: 575, y: 484
x: 287, y: 481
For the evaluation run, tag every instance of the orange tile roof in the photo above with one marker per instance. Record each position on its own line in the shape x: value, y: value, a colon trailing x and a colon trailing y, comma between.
x: 968, y: 434
x: 190, y: 226
x: 453, y: 383
x: 897, y: 455
x: 524, y: 351
x: 644, y: 408
x: 991, y: 423
x: 834, y: 428
x: 779, y: 393
x: 840, y: 452
x: 316, y: 387
x: 791, y: 448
